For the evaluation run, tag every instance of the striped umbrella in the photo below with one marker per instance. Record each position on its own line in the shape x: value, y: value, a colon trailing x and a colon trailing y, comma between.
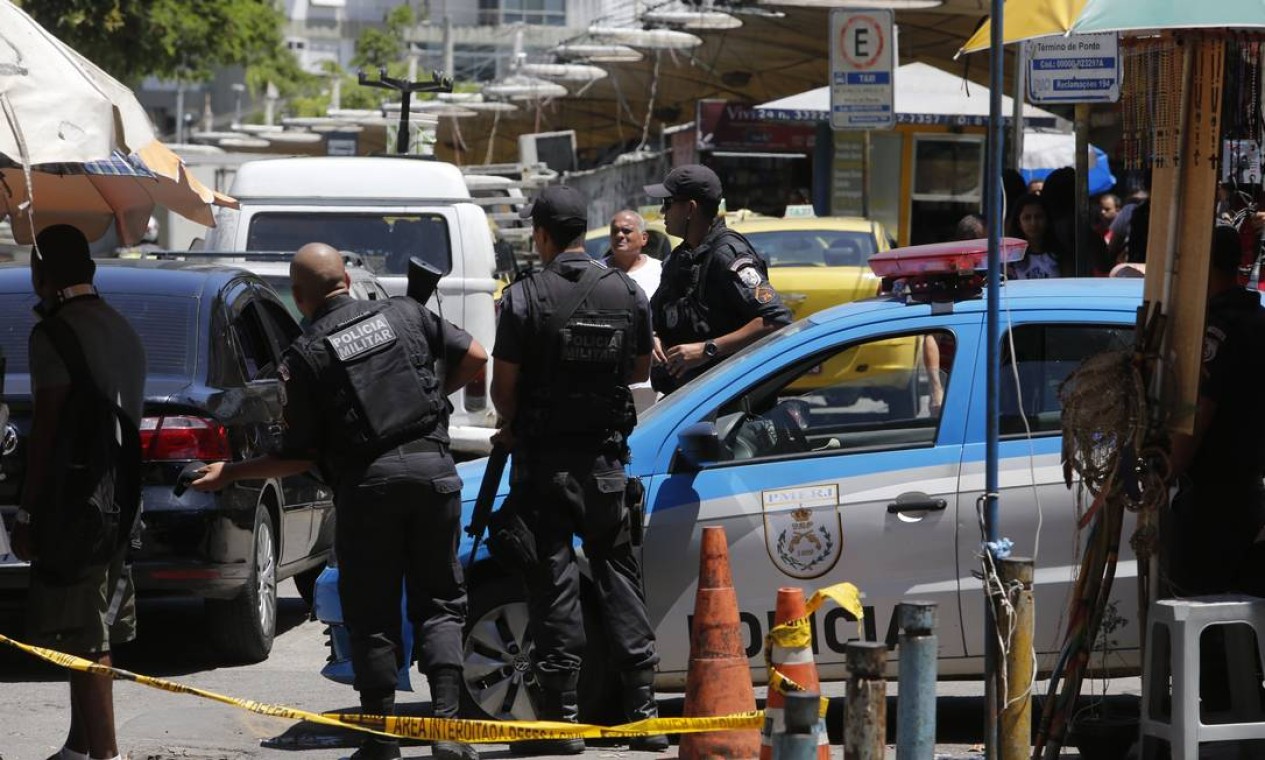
x: 1030, y: 19
x: 121, y: 190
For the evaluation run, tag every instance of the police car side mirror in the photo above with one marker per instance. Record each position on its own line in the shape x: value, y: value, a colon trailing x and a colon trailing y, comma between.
x: 699, y: 444
x: 258, y: 401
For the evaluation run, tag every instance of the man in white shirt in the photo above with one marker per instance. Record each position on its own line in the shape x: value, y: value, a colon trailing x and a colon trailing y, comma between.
x: 628, y: 237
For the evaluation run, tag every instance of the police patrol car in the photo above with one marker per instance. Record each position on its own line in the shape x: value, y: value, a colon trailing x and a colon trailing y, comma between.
x: 819, y: 473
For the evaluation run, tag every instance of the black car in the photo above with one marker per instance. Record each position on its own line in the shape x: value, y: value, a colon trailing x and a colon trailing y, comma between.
x: 213, y: 337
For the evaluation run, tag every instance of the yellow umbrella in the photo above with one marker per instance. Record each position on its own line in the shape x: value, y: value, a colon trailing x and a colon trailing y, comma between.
x: 1028, y: 19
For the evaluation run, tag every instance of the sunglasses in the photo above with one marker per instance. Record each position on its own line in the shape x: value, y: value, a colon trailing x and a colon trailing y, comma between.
x: 667, y: 203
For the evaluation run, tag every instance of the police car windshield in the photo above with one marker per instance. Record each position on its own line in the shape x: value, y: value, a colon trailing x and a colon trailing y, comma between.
x: 386, y: 241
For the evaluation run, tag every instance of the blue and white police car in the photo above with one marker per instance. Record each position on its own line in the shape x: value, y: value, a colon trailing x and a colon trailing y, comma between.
x: 849, y: 446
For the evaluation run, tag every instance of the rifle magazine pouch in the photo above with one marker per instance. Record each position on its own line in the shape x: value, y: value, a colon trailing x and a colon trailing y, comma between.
x: 510, y: 541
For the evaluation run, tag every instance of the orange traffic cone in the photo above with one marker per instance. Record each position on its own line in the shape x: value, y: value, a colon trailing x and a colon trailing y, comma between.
x: 719, y: 679
x: 796, y: 663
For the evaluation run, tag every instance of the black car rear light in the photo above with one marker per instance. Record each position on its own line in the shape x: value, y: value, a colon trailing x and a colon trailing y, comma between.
x: 183, y: 438
x: 476, y: 392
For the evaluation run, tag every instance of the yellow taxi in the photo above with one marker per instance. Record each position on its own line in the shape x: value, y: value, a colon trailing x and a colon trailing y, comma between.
x: 597, y: 242
x: 819, y: 262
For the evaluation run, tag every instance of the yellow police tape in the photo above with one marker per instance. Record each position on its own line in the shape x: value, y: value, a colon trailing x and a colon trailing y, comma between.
x: 791, y: 634
x: 798, y: 633
x: 408, y: 727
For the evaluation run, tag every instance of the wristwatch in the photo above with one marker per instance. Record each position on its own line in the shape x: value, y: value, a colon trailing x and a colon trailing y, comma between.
x: 22, y: 517
x: 710, y: 350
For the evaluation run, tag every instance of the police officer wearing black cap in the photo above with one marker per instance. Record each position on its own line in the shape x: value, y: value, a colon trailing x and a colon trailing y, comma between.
x: 570, y: 339
x: 365, y: 400
x: 714, y: 296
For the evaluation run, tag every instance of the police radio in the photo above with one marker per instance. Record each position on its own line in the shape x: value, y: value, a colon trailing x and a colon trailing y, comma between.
x: 423, y: 279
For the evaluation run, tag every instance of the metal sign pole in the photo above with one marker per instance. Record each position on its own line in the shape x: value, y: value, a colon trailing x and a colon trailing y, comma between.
x: 406, y: 88
x: 996, y: 137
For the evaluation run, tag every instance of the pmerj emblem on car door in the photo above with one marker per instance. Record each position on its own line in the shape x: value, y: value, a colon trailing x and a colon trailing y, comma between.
x: 802, y: 529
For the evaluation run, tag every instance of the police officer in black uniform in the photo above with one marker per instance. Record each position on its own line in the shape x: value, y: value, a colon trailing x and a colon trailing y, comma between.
x: 1219, y: 510
x: 366, y: 402
x: 571, y: 337
x: 714, y: 296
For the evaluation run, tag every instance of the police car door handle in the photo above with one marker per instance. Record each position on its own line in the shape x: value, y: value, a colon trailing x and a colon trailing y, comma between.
x: 915, y: 502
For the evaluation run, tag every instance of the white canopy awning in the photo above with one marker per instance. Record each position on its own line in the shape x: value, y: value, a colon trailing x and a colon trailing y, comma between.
x: 924, y: 95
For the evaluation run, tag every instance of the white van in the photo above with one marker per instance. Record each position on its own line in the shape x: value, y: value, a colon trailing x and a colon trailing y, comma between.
x: 387, y: 210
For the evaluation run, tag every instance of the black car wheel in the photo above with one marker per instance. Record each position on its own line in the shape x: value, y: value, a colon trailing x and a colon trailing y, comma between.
x: 500, y: 675
x: 243, y: 627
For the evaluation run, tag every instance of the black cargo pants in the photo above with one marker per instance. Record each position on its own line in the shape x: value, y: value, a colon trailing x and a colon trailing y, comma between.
x: 397, y: 527
x: 563, y: 495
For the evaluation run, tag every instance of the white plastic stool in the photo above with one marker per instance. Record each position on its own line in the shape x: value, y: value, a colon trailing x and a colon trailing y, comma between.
x: 1172, y: 651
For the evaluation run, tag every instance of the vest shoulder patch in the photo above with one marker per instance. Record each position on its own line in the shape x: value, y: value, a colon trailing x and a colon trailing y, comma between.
x: 748, y: 273
x: 361, y: 338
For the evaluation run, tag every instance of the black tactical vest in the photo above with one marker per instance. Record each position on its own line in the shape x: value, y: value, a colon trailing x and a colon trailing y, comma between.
x: 376, y: 378
x: 575, y: 377
x: 682, y: 311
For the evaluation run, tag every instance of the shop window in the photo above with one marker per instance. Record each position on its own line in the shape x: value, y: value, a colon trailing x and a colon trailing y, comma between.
x: 948, y: 183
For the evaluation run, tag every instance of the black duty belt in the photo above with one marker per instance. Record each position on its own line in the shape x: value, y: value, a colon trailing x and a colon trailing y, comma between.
x: 422, y: 446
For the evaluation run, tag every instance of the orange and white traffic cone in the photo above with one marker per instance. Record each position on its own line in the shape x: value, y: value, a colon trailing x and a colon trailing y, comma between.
x: 719, y: 678
x: 796, y: 664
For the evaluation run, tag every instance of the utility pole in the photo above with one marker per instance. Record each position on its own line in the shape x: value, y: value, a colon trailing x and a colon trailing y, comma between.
x: 180, y: 113
x: 449, y: 52
x: 238, y: 89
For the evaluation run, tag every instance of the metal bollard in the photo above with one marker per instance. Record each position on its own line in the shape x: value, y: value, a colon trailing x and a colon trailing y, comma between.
x: 865, y: 717
x: 1015, y: 725
x: 916, y: 703
x: 801, y: 719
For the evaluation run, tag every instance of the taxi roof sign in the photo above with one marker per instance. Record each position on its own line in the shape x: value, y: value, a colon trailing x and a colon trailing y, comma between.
x: 952, y: 258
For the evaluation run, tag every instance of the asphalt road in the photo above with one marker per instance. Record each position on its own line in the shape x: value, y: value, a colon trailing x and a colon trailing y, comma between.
x: 156, y: 725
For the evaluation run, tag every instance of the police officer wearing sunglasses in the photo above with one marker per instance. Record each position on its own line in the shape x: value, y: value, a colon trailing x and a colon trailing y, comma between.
x: 714, y: 296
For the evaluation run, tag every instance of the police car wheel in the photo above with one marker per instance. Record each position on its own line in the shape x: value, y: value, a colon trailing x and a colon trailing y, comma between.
x: 499, y: 668
x: 243, y: 627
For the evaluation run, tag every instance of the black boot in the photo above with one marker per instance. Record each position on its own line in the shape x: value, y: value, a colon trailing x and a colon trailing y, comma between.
x: 639, y: 703
x: 445, y: 698
x: 377, y: 747
x: 559, y: 702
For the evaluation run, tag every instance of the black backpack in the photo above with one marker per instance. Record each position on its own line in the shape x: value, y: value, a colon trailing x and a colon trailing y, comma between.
x: 92, y: 494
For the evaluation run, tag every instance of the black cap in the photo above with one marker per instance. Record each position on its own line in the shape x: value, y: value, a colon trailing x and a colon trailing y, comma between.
x: 692, y: 181
x: 558, y: 205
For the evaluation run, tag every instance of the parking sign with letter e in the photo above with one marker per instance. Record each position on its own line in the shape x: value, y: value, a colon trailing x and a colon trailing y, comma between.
x: 862, y: 66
